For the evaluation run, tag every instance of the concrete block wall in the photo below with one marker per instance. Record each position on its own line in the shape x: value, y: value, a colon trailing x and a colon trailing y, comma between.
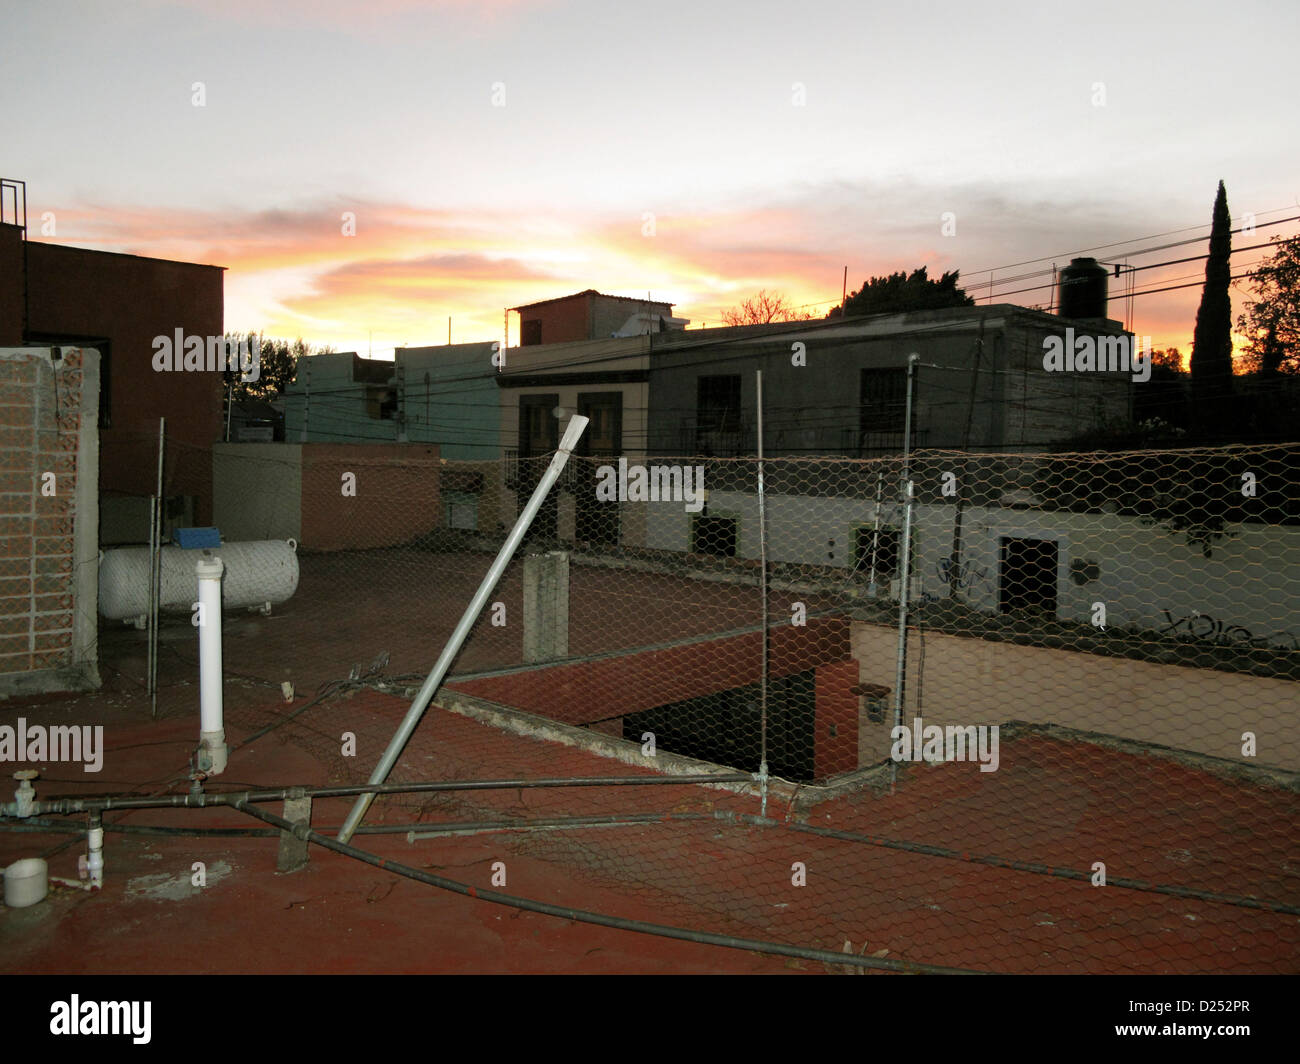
x: 296, y: 491
x: 973, y: 681
x: 49, y: 465
x: 257, y: 490
x: 396, y: 500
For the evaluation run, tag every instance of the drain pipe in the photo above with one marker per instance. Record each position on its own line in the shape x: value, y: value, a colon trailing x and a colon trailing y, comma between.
x: 434, y: 680
x: 90, y: 866
x: 212, y: 733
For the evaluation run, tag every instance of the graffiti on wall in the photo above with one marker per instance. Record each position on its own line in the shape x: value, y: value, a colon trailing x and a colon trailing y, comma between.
x: 1205, y: 627
x: 962, y: 576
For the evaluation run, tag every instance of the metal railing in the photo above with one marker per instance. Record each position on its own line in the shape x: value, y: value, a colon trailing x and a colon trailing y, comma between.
x: 725, y: 438
x: 14, y: 191
x: 856, y: 443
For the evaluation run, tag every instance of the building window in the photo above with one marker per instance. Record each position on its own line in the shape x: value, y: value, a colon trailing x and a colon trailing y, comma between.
x: 530, y: 332
x: 881, y: 549
x: 462, y: 510
x: 604, y: 435
x: 717, y: 404
x: 1028, y: 576
x: 884, y: 401
x: 538, y: 428
x: 718, y: 428
x: 597, y: 522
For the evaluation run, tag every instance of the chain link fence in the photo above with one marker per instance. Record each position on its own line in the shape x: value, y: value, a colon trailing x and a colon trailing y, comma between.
x: 1030, y: 712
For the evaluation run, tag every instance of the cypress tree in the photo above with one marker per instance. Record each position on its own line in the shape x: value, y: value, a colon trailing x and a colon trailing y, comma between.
x: 1211, y: 362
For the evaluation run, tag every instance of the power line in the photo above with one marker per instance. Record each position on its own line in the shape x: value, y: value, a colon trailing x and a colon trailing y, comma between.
x: 1134, y: 240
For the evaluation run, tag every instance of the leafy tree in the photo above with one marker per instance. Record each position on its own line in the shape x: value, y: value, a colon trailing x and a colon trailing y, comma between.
x: 1271, y: 321
x: 763, y: 309
x: 1167, y: 361
x: 1212, y: 339
x: 900, y: 292
x: 277, y: 364
x: 1160, y: 405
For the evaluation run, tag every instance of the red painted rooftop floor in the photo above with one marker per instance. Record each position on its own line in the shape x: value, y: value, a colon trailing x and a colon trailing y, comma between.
x: 1060, y: 804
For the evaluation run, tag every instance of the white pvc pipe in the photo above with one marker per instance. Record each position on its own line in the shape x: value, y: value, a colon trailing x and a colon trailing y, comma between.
x: 95, y: 858
x: 212, y: 733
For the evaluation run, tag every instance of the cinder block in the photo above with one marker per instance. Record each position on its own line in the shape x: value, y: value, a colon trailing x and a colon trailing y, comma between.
x: 546, y: 607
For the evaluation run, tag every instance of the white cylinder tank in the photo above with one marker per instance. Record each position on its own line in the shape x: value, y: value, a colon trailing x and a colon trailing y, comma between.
x: 261, y: 573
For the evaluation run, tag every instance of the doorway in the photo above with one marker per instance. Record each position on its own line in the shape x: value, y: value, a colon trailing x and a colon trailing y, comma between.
x: 1027, y: 576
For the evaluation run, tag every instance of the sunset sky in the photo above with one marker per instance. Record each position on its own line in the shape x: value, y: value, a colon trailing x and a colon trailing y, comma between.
x: 496, y: 152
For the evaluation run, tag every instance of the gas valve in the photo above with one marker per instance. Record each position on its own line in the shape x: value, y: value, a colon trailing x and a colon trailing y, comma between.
x: 25, y: 795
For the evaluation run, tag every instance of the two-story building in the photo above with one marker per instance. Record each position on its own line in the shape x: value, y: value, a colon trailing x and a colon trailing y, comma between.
x: 118, y: 305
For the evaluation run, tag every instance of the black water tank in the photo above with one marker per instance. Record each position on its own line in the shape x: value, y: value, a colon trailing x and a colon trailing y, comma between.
x: 1081, y: 292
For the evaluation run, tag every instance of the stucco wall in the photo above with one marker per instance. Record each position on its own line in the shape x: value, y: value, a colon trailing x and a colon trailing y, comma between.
x: 129, y: 300
x: 973, y: 681
x: 396, y: 499
x: 284, y: 490
x: 257, y: 490
x: 1144, y: 571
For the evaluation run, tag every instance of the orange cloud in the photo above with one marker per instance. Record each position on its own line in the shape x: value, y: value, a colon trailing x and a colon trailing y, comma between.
x: 408, y: 268
x: 348, y: 14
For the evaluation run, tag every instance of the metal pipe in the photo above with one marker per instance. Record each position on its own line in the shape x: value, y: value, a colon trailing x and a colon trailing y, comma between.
x: 904, y: 560
x: 430, y: 830
x: 150, y: 616
x: 912, y: 361
x: 155, y: 574
x: 95, y: 852
x: 762, y: 564
x: 431, y: 684
x: 65, y: 806
x: 440, y: 831
x: 875, y: 534
x: 1030, y: 867
x: 301, y: 831
x: 905, y: 576
x: 306, y: 401
x: 212, y: 731
x: 427, y: 829
x: 954, y: 563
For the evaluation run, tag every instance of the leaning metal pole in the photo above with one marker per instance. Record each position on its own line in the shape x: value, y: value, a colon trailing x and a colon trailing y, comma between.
x: 434, y: 680
x: 904, y: 562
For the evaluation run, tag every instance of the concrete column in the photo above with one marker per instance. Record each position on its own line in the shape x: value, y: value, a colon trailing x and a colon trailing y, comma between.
x: 293, y: 853
x: 85, y: 535
x: 546, y: 607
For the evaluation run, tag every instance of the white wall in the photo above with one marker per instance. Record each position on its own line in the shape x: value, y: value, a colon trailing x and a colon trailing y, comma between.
x: 972, y: 681
x: 257, y: 490
x: 1251, y: 581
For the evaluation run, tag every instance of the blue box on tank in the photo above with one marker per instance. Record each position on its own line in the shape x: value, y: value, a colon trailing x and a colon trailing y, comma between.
x: 196, y: 537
